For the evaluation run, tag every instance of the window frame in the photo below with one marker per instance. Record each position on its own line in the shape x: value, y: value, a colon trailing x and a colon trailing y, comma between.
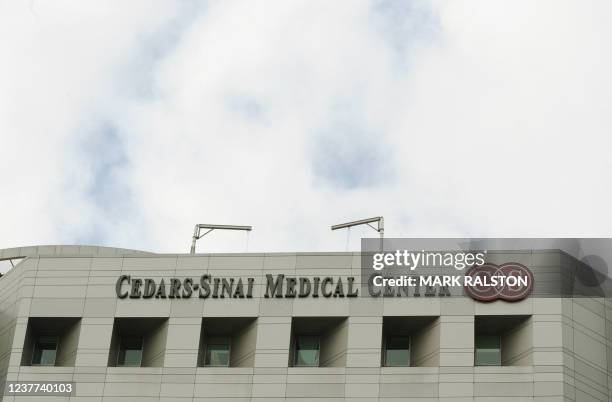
x: 476, y: 363
x: 142, y: 345
x: 34, y: 349
x: 385, y: 344
x: 229, y: 351
x: 296, y: 351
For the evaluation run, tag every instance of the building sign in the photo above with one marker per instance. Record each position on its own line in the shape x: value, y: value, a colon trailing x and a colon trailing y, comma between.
x: 206, y: 286
x: 488, y: 282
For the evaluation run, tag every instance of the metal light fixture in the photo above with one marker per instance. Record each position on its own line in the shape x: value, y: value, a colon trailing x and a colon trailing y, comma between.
x: 197, y: 235
x: 379, y: 219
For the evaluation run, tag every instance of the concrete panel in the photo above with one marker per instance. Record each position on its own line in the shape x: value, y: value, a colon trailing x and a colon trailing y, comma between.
x: 56, y: 307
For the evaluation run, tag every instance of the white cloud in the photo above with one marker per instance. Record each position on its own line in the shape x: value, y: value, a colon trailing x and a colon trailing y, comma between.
x: 448, y: 118
x: 63, y: 66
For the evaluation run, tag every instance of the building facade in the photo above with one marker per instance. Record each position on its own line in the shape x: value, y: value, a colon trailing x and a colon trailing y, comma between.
x: 125, y: 325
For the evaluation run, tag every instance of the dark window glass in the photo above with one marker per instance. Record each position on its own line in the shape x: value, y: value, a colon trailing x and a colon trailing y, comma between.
x: 397, y: 351
x: 130, y: 351
x: 45, y: 351
x: 217, y: 352
x: 487, y: 350
x: 307, y: 351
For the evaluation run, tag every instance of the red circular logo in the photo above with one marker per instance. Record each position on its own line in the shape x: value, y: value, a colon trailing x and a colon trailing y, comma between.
x: 489, y: 282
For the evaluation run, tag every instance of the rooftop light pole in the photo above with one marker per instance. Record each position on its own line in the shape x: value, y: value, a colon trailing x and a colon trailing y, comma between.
x: 197, y: 235
x: 379, y: 219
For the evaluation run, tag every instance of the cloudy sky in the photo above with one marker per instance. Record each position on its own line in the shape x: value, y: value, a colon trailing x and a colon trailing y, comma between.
x: 125, y: 123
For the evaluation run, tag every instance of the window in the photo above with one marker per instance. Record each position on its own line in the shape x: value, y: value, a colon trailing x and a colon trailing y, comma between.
x: 217, y: 352
x: 307, y: 351
x: 409, y: 341
x: 318, y: 342
x: 45, y: 351
x: 138, y: 342
x: 487, y: 350
x: 51, y: 341
x: 502, y: 340
x: 227, y: 342
x: 130, y: 351
x: 397, y: 351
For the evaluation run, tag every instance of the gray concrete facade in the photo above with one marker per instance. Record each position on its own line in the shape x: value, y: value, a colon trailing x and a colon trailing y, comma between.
x: 562, y: 351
